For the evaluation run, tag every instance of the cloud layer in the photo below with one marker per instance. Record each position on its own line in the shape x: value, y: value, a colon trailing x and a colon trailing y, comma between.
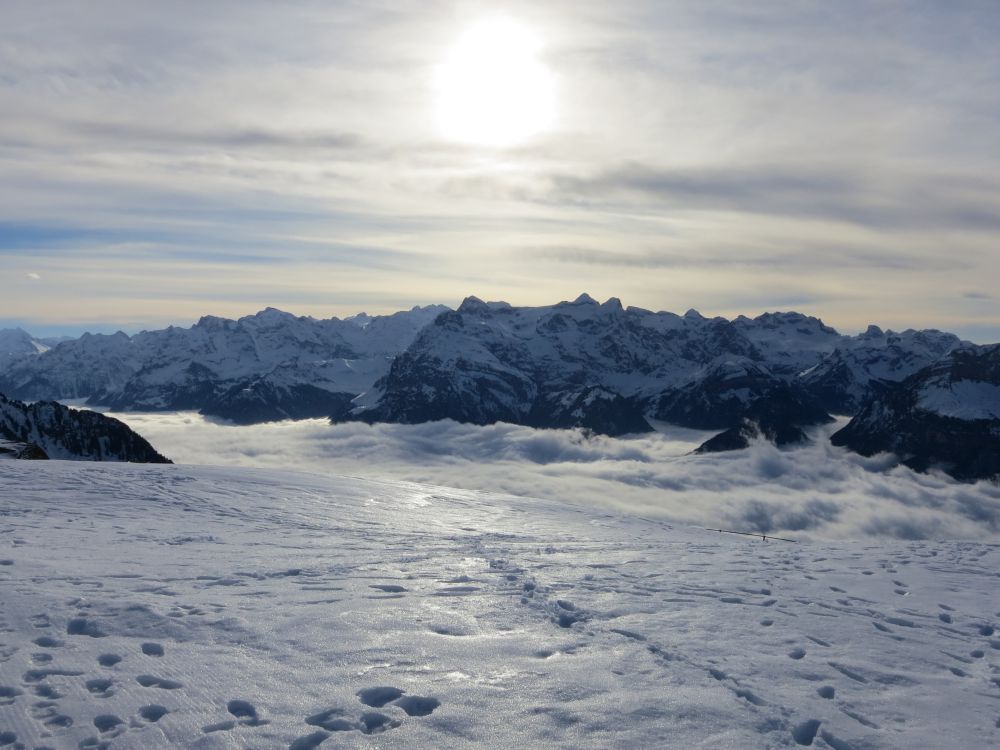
x: 812, y: 491
x: 711, y: 155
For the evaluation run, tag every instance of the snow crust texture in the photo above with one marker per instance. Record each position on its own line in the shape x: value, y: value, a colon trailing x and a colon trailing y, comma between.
x: 168, y: 606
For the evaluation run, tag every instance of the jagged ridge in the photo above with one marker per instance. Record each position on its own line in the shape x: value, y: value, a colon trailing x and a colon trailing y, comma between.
x: 73, y: 434
x: 945, y: 416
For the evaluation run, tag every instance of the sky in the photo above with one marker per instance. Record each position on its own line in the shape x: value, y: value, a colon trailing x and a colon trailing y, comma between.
x: 163, y: 161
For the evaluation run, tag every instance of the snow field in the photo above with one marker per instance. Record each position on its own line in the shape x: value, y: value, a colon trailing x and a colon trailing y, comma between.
x: 166, y: 606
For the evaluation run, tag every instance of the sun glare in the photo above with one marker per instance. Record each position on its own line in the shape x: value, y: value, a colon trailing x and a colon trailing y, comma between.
x: 493, y: 89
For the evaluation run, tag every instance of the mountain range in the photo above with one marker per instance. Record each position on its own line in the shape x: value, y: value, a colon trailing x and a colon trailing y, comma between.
x: 599, y: 366
x: 263, y: 367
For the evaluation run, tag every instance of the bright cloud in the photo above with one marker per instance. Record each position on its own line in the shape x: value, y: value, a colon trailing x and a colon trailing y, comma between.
x: 747, y: 156
x: 812, y: 491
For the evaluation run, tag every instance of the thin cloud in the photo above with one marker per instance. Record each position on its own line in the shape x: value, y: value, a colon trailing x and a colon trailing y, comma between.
x: 735, y: 256
x: 828, y: 192
x: 235, y: 138
x: 828, y: 144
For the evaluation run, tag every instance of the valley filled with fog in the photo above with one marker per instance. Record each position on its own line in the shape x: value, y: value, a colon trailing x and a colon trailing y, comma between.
x: 814, y: 490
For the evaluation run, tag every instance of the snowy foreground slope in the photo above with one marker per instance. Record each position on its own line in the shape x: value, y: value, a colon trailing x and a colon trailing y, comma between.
x: 163, y: 606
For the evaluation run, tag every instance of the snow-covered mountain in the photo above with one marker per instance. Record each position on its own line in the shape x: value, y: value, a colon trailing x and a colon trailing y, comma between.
x: 156, y: 607
x: 946, y: 415
x: 272, y: 365
x: 603, y: 367
x: 19, y: 449
x: 723, y: 393
x: 606, y: 367
x: 73, y: 434
x: 16, y: 343
x: 843, y: 379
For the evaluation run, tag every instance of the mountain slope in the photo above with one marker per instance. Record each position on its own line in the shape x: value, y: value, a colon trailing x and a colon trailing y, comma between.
x: 606, y: 367
x: 602, y: 367
x: 843, y: 379
x: 272, y: 365
x: 73, y: 434
x: 16, y: 343
x: 946, y: 415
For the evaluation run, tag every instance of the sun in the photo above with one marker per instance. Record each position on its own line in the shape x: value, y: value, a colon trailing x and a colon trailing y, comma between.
x: 493, y: 89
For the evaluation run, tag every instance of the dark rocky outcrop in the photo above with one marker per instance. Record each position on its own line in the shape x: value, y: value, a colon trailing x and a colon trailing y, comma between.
x: 75, y: 434
x: 945, y: 416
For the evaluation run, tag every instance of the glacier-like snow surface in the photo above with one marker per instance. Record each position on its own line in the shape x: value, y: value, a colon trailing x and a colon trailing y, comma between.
x: 172, y: 606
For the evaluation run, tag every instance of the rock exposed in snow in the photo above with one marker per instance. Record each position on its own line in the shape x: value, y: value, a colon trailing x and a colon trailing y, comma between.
x: 946, y: 415
x: 61, y: 432
x: 19, y: 450
x: 778, y: 415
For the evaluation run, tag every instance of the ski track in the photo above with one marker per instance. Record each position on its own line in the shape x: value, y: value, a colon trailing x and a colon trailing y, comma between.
x: 148, y: 607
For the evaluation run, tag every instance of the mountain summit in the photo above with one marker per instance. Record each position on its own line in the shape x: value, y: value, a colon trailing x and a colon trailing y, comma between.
x: 580, y: 363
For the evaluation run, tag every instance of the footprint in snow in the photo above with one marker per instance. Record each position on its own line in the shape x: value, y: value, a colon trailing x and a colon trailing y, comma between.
x: 376, y: 697
x: 47, y: 691
x: 416, y: 705
x: 153, y: 712
x: 309, y: 741
x: 245, y: 712
x: 389, y: 588
x: 374, y: 722
x: 109, y: 724
x: 148, y: 680
x: 331, y: 720
x: 48, y: 714
x: 100, y: 686
x: 805, y: 733
x: 83, y: 626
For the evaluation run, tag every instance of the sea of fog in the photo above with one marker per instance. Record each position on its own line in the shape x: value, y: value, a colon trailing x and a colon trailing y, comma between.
x: 815, y: 490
